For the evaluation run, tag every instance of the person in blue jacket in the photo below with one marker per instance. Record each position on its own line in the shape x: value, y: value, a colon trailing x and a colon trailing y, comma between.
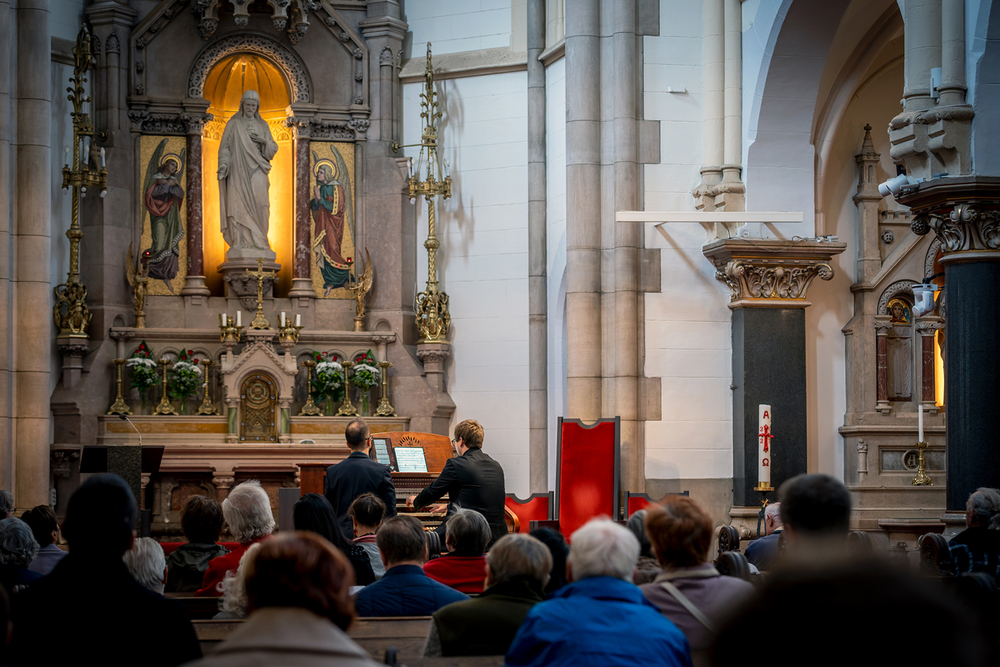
x: 601, y: 618
x: 404, y: 590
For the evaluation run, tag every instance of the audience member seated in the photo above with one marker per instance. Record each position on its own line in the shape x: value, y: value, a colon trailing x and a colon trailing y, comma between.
x: 464, y: 567
x: 690, y: 592
x: 601, y: 618
x: 297, y: 590
x: 6, y: 505
x: 314, y: 513
x: 45, y: 528
x: 559, y: 550
x: 763, y: 552
x: 647, y: 568
x: 233, y: 604
x: 18, y: 549
x: 517, y: 569
x: 816, y: 514
x: 366, y: 513
x: 977, y: 548
x: 201, y: 521
x: 146, y: 563
x: 814, y: 610
x: 248, y: 514
x: 90, y: 604
x: 404, y: 590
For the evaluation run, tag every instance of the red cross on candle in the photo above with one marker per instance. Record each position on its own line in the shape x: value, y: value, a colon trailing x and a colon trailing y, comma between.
x: 766, y: 437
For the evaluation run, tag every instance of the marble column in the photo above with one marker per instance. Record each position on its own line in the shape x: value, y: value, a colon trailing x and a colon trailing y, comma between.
x: 963, y: 212
x: 194, y: 284
x: 583, y: 211
x: 7, y: 46
x: 768, y: 282
x: 927, y: 328
x: 538, y: 328
x: 32, y: 326
x: 883, y: 323
x: 301, y: 270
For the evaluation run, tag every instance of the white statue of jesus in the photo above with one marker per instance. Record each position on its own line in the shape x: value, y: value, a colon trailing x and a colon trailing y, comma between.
x: 244, y: 162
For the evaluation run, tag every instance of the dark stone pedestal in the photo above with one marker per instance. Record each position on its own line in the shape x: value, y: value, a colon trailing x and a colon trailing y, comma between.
x: 972, y: 378
x: 126, y: 461
x: 769, y: 368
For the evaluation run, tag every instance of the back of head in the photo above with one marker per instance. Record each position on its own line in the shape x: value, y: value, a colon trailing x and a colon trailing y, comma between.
x: 983, y: 506
x: 234, y: 588
x: 559, y: 550
x: 681, y: 532
x: 841, y: 597
x: 357, y: 434
x: 815, y: 505
x: 201, y: 520
x: 773, y: 512
x: 314, y: 513
x: 147, y: 564
x: 468, y: 532
x: 100, y: 517
x: 368, y: 510
x: 519, y: 555
x: 470, y: 432
x: 42, y: 521
x: 401, y: 539
x: 248, y: 512
x: 6, y: 504
x: 304, y: 571
x: 602, y: 548
x: 17, y: 544
x: 637, y: 526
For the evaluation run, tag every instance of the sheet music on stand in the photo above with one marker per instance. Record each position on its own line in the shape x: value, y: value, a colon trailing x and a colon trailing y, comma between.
x: 410, y: 459
x: 381, y: 450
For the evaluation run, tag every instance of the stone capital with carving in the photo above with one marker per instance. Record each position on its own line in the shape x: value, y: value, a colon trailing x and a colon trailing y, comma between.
x: 929, y: 325
x: 963, y: 213
x: 771, y: 272
x: 883, y: 323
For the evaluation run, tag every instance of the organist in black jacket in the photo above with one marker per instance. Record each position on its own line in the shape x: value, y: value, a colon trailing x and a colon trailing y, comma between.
x: 472, y: 480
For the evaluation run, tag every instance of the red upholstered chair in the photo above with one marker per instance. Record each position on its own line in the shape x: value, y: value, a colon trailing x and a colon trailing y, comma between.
x: 640, y: 501
x: 520, y: 513
x: 588, y: 470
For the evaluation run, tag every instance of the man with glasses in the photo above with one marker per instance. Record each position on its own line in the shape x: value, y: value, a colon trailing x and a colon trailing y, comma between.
x: 356, y: 475
x: 472, y: 480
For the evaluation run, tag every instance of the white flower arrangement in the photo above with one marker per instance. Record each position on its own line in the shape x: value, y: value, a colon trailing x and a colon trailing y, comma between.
x: 329, y: 367
x: 366, y: 376
x: 133, y: 362
x: 187, y: 366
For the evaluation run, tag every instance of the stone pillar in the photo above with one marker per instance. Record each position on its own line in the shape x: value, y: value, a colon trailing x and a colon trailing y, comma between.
x: 922, y: 37
x: 194, y: 284
x: 715, y: 107
x: 223, y: 481
x: 7, y: 434
x: 768, y: 281
x: 32, y: 325
x: 882, y: 325
x: 963, y: 212
x: 302, y: 269
x: 538, y: 328
x: 927, y: 327
x: 583, y: 212
x: 731, y: 192
x: 952, y: 86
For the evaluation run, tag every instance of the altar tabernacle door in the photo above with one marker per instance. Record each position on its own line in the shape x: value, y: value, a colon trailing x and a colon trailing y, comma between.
x: 588, y: 472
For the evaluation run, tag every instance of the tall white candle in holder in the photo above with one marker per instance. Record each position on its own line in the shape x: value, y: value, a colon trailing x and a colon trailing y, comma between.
x: 282, y: 319
x: 239, y: 318
x: 764, y: 450
x: 920, y: 423
x: 222, y: 319
x: 298, y: 319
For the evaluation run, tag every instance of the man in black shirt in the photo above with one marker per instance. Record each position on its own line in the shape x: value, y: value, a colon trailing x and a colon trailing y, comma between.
x: 472, y: 480
x: 356, y: 475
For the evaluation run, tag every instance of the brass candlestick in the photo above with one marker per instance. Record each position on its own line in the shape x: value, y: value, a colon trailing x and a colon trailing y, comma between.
x: 119, y: 407
x: 921, y: 478
x: 433, y: 318
x: 310, y: 409
x: 259, y: 321
x: 229, y: 333
x: 347, y: 408
x: 288, y: 334
x: 206, y: 407
x: 164, y: 407
x: 385, y: 408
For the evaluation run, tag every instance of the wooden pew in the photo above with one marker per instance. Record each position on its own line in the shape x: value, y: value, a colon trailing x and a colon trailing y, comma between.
x: 196, y: 608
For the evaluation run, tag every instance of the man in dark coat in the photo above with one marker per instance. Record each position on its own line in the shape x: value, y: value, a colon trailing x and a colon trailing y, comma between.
x: 356, y: 475
x: 472, y: 480
x: 90, y: 603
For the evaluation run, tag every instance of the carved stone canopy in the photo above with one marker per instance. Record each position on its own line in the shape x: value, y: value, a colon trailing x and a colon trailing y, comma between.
x: 259, y: 355
x: 770, y: 272
x: 963, y: 213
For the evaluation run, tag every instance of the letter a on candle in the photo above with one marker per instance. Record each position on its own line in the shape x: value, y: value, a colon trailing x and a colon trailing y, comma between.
x: 764, y: 444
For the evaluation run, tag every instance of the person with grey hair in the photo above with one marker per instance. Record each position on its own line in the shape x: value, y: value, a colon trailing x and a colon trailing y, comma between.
x: 464, y: 566
x: 763, y: 552
x: 6, y: 504
x: 601, y: 618
x: 18, y: 548
x: 357, y: 475
x: 977, y: 548
x: 517, y: 569
x: 147, y: 564
x: 248, y: 513
x: 233, y: 604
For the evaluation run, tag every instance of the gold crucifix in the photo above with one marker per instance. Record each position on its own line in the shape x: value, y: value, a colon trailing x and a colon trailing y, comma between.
x: 259, y: 321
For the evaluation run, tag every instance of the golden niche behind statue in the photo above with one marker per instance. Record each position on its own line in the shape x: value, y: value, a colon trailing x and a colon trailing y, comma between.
x: 245, y: 155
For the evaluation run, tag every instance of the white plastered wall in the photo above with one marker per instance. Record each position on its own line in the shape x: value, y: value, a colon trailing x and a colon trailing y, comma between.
x: 453, y: 26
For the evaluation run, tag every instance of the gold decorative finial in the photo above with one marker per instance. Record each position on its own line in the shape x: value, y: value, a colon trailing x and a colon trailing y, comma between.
x: 137, y: 274
x: 360, y: 291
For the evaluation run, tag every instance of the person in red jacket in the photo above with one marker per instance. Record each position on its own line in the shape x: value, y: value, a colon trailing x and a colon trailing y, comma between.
x: 247, y: 511
x: 464, y: 566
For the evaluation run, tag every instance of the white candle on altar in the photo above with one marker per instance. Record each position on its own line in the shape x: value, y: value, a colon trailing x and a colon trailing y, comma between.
x: 764, y: 452
x: 239, y: 318
x: 920, y: 423
x: 222, y: 319
x: 282, y: 319
x: 298, y: 319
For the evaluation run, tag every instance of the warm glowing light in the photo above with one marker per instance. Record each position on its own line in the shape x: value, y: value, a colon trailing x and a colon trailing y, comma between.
x: 938, y: 369
x: 224, y: 87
